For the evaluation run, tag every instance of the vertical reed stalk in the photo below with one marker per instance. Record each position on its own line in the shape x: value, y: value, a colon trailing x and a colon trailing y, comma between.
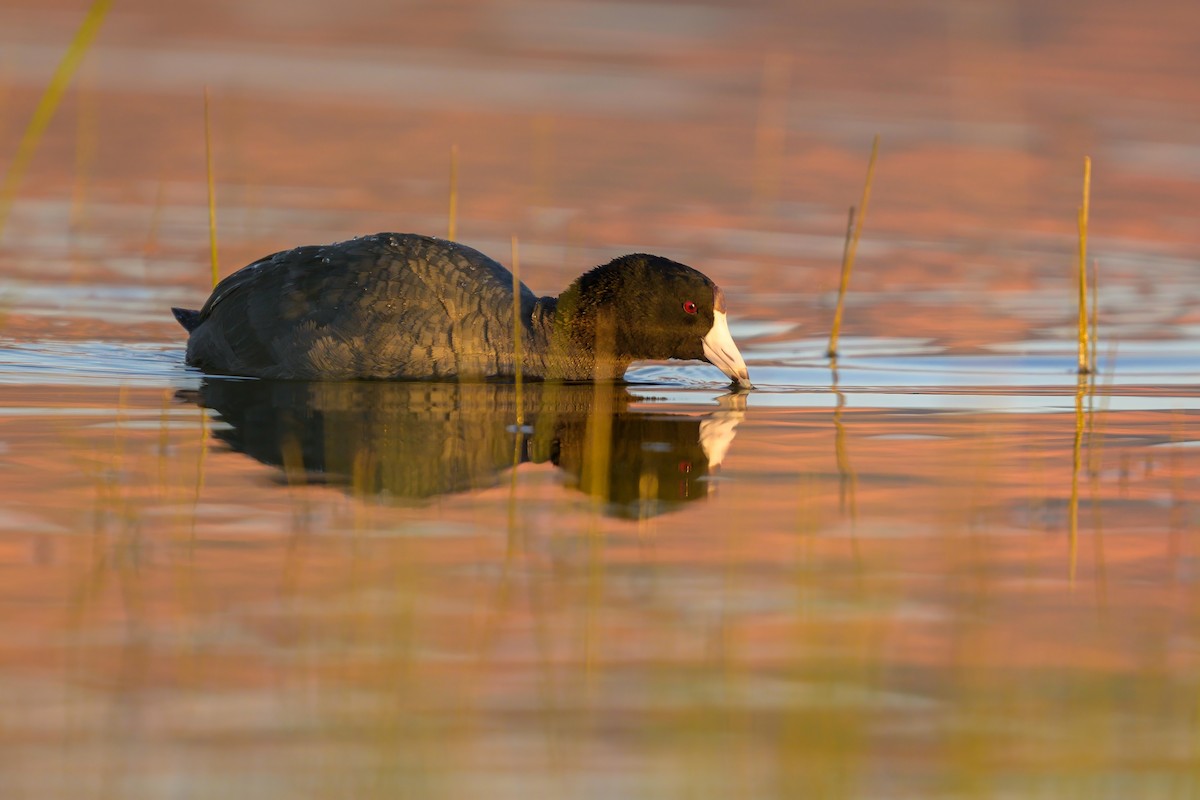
x: 852, y: 249
x: 595, y: 481
x: 1076, y: 460
x: 452, y: 226
x: 212, y: 192
x: 843, y: 284
x: 516, y: 311
x: 48, y: 104
x: 848, y: 478
x: 599, y: 442
x: 1084, y: 361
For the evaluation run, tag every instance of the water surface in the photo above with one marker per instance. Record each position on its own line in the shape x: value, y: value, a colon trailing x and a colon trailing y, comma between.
x: 948, y: 568
x: 215, y: 576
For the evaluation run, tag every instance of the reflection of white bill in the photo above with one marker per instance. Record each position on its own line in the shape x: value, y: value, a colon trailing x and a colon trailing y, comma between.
x: 718, y: 428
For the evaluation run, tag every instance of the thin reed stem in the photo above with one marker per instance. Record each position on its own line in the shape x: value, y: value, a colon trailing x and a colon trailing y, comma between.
x: 516, y: 310
x: 1084, y: 360
x: 848, y: 483
x: 48, y: 104
x: 1076, y: 459
x: 851, y: 249
x: 212, y: 192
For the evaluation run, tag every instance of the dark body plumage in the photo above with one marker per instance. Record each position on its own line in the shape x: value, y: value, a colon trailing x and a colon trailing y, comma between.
x: 393, y: 306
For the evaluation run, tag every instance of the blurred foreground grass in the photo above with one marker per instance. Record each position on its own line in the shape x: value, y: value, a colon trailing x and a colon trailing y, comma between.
x: 193, y: 619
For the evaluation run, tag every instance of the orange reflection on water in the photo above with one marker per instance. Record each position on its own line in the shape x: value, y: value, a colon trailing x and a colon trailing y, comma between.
x: 864, y: 597
x: 250, y: 612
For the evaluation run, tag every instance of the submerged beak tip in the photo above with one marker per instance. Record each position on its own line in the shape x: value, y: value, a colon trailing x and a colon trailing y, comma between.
x: 741, y: 379
x: 721, y: 351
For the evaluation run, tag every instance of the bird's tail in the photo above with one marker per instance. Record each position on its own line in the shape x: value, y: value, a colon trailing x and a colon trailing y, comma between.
x: 189, y: 318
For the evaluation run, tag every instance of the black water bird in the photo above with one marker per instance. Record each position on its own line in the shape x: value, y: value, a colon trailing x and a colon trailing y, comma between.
x: 405, y: 306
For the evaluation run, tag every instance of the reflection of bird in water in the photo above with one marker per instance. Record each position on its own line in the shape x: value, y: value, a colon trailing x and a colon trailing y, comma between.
x: 655, y: 460
x: 409, y: 440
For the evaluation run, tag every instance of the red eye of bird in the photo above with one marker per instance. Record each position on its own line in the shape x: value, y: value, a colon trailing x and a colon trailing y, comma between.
x: 689, y: 306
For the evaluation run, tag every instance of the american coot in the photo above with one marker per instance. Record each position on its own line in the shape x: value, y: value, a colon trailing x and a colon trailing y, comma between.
x: 399, y: 305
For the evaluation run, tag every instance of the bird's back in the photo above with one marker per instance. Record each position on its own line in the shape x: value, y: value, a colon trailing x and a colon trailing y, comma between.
x: 382, y: 306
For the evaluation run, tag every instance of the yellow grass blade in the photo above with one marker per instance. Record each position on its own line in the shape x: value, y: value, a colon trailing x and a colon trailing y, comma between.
x: 848, y: 478
x: 852, y: 249
x: 1084, y: 360
x: 1073, y: 501
x: 48, y: 104
x: 212, y: 192
x: 516, y: 288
